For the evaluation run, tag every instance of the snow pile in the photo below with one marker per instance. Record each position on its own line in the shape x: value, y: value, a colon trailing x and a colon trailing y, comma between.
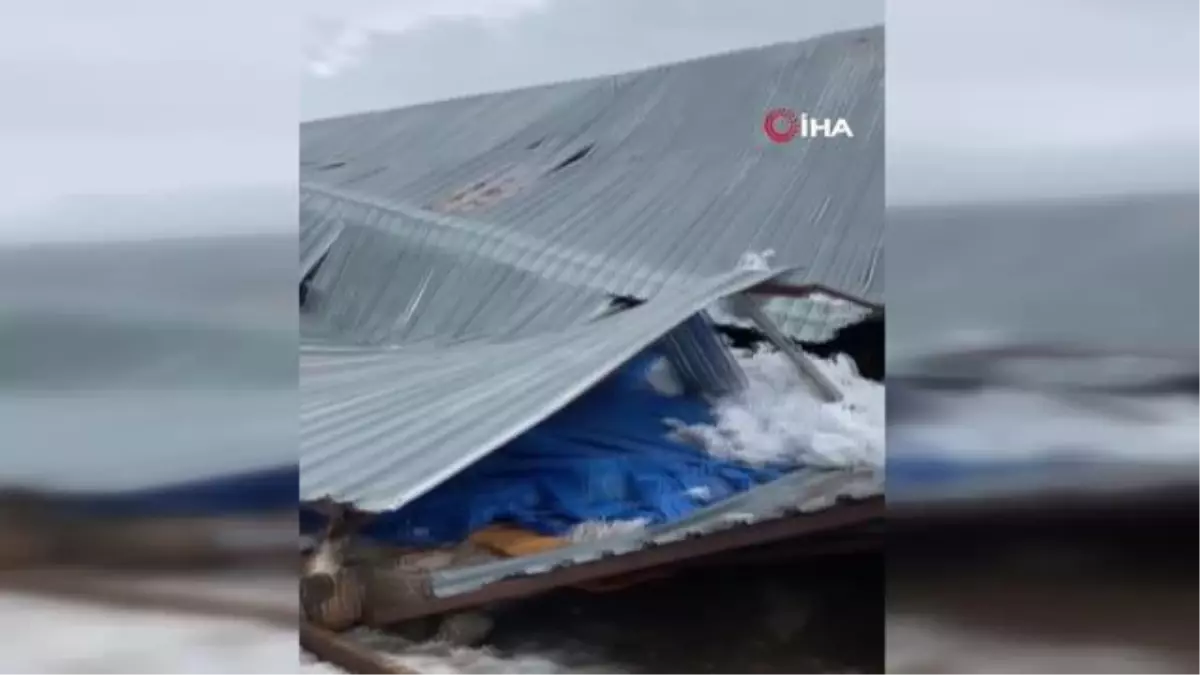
x: 922, y: 644
x: 1009, y: 424
x: 439, y: 657
x: 43, y: 635
x: 756, y: 261
x: 778, y: 419
x: 435, y: 657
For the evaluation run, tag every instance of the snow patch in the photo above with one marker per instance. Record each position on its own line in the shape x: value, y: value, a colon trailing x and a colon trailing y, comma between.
x: 778, y: 420
x: 595, y: 530
x: 1000, y: 424
x: 43, y: 635
x: 439, y: 657
x: 922, y: 644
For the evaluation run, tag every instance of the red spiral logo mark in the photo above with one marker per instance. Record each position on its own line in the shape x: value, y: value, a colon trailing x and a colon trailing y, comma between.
x: 780, y: 125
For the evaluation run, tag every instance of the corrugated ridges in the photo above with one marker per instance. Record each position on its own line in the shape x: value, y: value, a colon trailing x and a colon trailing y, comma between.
x: 380, y: 427
x: 678, y: 180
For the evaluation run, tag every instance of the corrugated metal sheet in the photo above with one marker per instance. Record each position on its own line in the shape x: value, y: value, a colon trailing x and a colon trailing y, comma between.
x: 379, y: 285
x: 320, y: 227
x: 703, y: 361
x: 382, y: 426
x: 672, y: 180
x: 813, y: 319
x: 804, y: 491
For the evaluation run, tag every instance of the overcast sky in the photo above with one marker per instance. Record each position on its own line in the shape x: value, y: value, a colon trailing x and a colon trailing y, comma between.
x: 989, y: 99
x: 366, y: 54
x: 141, y: 96
x: 1014, y: 98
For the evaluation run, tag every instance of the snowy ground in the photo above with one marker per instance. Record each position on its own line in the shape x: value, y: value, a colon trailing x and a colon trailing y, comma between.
x: 440, y: 658
x: 930, y: 644
x: 1017, y: 425
x: 45, y: 634
x: 52, y: 636
x: 1022, y: 407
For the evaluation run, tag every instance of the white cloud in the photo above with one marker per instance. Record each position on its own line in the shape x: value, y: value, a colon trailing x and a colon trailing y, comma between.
x: 337, y: 35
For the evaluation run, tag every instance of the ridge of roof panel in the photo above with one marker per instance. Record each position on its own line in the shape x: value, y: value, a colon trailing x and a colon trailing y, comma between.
x: 380, y: 427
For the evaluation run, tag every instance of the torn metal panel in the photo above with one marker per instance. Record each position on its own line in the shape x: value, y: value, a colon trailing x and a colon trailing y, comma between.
x: 381, y: 426
x: 805, y: 491
x: 813, y: 319
x: 701, y: 358
x: 627, y: 185
x: 320, y: 226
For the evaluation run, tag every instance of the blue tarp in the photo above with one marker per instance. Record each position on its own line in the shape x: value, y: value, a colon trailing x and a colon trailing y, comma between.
x: 250, y: 493
x: 606, y: 456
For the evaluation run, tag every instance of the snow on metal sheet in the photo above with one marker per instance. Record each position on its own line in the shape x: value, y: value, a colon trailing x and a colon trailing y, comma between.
x: 379, y: 427
x: 625, y: 185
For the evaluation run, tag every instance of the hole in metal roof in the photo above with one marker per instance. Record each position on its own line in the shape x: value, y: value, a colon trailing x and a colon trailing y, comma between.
x: 574, y: 157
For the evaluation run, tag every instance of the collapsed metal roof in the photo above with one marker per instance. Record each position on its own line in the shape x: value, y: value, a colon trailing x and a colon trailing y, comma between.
x: 468, y: 251
x: 556, y: 196
x: 379, y: 427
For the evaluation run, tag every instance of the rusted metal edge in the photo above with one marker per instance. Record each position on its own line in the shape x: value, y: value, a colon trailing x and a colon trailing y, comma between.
x: 80, y: 586
x: 345, y: 653
x: 842, y: 515
x: 844, y: 541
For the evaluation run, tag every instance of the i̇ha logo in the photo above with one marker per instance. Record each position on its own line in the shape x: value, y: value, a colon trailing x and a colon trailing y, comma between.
x: 781, y: 125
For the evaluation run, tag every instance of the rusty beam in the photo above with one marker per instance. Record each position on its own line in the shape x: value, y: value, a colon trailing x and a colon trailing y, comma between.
x: 779, y: 529
x: 344, y: 653
x: 851, y: 543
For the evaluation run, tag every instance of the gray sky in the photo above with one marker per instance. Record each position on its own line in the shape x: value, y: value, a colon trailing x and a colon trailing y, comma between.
x: 370, y: 54
x: 1000, y: 99
x: 142, y: 96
